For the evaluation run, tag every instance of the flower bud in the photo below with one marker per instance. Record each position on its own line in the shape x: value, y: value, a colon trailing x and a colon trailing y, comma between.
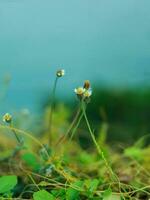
x: 7, y: 118
x: 87, y: 84
x: 60, y: 73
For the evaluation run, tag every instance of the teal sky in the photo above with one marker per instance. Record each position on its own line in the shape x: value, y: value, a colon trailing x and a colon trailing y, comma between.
x: 102, y: 40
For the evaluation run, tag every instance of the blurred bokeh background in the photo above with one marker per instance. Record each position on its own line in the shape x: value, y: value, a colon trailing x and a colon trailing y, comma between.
x: 107, y: 42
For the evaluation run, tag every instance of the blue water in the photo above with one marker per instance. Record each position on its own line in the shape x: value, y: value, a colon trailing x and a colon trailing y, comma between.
x: 105, y: 41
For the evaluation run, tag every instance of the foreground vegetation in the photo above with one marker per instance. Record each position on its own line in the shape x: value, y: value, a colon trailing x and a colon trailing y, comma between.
x: 69, y: 160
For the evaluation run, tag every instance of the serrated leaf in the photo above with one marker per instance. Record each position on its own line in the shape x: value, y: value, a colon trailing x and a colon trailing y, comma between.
x: 43, y: 195
x: 7, y: 183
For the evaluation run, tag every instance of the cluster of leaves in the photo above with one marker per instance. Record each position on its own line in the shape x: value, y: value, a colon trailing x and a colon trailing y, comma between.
x: 9, y: 183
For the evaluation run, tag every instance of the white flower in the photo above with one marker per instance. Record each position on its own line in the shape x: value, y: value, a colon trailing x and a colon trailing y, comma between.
x: 84, y: 93
x: 87, y: 93
x: 7, y: 118
x: 79, y: 91
x: 60, y: 73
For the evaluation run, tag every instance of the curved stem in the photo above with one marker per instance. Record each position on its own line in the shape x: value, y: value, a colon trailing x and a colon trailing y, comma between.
x: 101, y: 153
x: 62, y: 138
x: 77, y: 125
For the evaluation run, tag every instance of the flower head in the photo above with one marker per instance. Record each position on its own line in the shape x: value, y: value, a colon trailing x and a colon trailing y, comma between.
x: 79, y: 91
x: 60, y: 73
x: 87, y: 93
x: 7, y: 118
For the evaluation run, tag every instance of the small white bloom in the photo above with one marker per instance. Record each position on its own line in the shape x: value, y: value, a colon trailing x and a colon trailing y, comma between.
x: 7, y: 118
x: 84, y: 93
x: 60, y: 73
x: 87, y: 93
x: 79, y: 91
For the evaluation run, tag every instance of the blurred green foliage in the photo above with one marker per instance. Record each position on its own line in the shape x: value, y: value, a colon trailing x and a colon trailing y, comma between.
x: 126, y: 111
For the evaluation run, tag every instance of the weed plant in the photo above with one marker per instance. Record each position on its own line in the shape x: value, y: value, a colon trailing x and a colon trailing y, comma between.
x: 53, y: 165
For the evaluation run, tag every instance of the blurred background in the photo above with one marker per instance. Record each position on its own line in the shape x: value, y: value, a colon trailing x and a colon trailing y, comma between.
x: 107, y: 42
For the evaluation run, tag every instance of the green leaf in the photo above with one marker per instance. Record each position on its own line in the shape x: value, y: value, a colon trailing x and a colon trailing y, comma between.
x: 86, y: 158
x: 134, y: 152
x: 107, y: 195
x: 93, y: 185
x: 43, y: 195
x: 72, y: 193
x: 7, y: 183
x: 31, y: 160
x: 59, y: 193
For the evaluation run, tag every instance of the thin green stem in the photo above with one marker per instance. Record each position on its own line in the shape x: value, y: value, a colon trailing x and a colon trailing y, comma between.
x: 30, y: 176
x: 77, y: 125
x: 15, y: 134
x: 52, y: 109
x: 62, y: 138
x: 101, y: 153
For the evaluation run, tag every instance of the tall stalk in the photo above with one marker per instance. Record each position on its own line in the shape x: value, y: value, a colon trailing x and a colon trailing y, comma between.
x: 52, y: 109
x: 60, y: 73
x: 101, y: 153
x: 78, y: 123
x: 15, y: 134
